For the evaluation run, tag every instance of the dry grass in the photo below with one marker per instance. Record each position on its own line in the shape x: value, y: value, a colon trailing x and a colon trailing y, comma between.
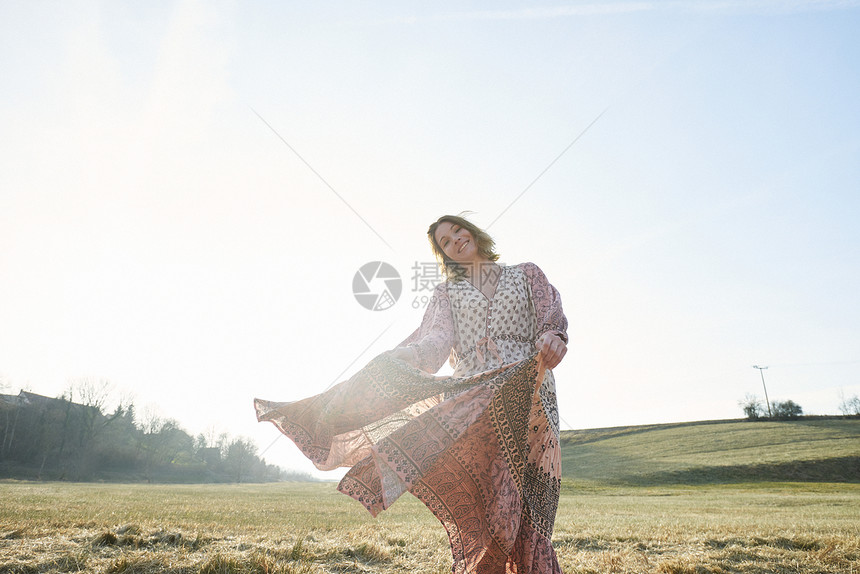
x: 770, y: 529
x: 309, y: 528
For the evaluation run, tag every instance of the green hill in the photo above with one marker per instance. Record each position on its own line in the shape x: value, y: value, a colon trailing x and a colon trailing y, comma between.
x: 807, y: 449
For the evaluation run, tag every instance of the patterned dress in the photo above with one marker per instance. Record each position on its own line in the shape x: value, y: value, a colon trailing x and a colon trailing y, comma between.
x: 479, y: 448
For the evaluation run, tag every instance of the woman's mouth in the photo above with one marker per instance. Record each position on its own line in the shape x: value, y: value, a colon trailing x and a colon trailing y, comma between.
x: 462, y: 247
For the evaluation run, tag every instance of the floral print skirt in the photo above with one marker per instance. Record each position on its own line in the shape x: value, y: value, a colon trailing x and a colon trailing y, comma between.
x: 485, y: 461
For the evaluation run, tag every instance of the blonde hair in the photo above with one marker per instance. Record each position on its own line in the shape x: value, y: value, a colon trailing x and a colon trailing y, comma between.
x: 450, y: 268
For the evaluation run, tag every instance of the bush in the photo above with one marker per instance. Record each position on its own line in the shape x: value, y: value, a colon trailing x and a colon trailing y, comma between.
x: 786, y: 410
x: 755, y: 409
x: 752, y: 407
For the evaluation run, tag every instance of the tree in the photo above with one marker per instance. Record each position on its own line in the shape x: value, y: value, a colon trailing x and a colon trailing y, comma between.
x: 9, y: 413
x: 93, y: 394
x: 786, y: 410
x: 850, y: 406
x: 56, y: 438
x: 9, y: 420
x: 241, y: 454
x: 753, y: 407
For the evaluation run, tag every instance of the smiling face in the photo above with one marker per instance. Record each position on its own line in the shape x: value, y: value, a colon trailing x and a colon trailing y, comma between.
x: 457, y: 243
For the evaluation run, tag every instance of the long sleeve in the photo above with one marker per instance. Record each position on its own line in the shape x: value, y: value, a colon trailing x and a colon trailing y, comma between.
x: 549, y: 314
x: 434, y: 339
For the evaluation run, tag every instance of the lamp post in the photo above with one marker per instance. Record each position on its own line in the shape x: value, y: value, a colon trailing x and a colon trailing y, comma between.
x: 766, y: 400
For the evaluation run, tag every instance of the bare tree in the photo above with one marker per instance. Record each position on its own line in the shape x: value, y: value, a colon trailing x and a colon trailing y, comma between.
x: 752, y: 406
x: 93, y: 394
x: 212, y: 436
x: 849, y: 406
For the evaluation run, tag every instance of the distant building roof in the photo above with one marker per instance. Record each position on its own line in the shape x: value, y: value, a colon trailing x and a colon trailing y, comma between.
x: 28, y: 398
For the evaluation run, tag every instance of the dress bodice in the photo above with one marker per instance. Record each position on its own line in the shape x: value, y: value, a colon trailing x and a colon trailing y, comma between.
x: 490, y: 332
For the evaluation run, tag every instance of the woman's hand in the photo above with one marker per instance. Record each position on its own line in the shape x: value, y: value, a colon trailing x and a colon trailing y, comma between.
x: 405, y: 354
x: 552, y: 349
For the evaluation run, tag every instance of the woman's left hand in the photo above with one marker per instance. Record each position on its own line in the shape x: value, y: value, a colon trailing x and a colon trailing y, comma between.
x: 552, y: 348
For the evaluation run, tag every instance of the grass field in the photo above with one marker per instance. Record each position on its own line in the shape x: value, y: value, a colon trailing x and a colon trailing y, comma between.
x: 806, y: 450
x: 694, y: 498
x: 310, y: 528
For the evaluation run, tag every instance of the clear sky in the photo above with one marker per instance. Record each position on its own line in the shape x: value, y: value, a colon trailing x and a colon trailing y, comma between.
x: 188, y: 188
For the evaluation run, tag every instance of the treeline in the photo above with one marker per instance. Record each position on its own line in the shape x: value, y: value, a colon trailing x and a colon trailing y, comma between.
x: 46, y: 438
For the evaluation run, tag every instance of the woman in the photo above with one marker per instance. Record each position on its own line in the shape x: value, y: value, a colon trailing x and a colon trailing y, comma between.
x: 479, y: 448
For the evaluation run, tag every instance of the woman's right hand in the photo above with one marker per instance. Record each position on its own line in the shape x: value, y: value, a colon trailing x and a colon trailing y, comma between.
x: 405, y: 354
x: 553, y: 349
